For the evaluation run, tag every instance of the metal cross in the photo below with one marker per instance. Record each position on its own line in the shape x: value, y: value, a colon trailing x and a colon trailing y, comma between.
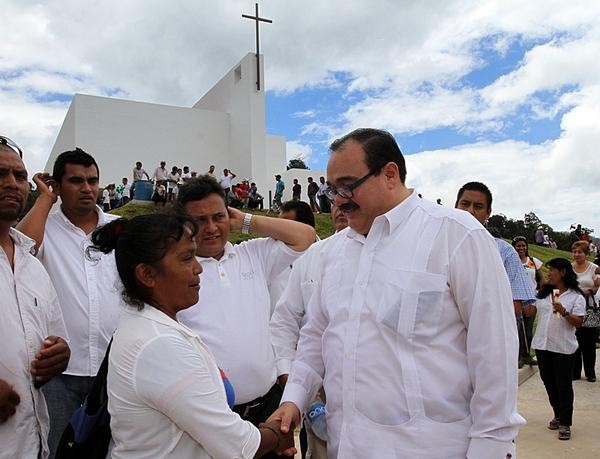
x: 258, y: 19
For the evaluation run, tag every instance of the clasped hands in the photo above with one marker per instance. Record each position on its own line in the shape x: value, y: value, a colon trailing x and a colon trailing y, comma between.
x: 285, y: 418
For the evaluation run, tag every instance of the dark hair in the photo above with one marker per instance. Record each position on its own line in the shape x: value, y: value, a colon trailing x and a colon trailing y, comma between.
x: 475, y: 186
x: 570, y: 277
x: 379, y: 146
x: 77, y: 156
x: 521, y: 239
x: 199, y: 188
x: 143, y: 239
x: 303, y: 211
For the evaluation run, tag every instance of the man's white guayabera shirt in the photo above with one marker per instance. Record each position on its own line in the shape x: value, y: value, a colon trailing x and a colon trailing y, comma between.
x: 412, y: 329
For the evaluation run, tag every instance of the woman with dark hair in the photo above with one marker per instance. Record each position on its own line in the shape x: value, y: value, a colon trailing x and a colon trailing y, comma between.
x: 166, y: 395
x: 586, y: 336
x: 532, y: 267
x: 561, y: 308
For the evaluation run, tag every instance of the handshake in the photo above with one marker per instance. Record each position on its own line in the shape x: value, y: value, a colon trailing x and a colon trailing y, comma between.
x: 280, y: 426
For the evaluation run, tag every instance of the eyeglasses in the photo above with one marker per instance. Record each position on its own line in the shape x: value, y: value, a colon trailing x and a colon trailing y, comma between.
x: 10, y: 144
x: 346, y: 191
x: 519, y: 239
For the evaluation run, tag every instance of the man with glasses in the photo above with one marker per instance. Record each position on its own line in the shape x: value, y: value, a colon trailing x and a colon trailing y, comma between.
x: 232, y: 315
x: 410, y: 327
x: 33, y: 332
x: 87, y: 287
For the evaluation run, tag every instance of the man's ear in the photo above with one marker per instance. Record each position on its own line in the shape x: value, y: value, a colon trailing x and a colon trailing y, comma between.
x: 145, y: 275
x: 391, y: 173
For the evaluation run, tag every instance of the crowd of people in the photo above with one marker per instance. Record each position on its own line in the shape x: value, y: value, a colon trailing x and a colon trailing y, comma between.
x: 221, y: 350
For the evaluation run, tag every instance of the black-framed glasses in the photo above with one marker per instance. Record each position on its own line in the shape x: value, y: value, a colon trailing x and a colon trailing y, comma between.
x: 12, y: 145
x: 346, y: 191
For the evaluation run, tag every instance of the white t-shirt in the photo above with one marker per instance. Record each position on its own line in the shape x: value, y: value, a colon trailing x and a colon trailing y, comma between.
x: 166, y: 396
x: 586, y: 278
x: 225, y: 181
x: 531, y: 265
x: 554, y: 333
x: 105, y: 196
x: 232, y: 315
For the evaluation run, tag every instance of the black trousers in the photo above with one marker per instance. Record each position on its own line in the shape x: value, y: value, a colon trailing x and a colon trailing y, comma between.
x: 586, y: 352
x: 259, y: 410
x: 525, y: 337
x: 555, y: 371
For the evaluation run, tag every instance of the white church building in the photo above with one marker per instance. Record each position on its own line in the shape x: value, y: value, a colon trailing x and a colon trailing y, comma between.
x: 226, y: 127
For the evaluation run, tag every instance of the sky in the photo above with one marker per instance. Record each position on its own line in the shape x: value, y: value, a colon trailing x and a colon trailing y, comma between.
x: 502, y: 92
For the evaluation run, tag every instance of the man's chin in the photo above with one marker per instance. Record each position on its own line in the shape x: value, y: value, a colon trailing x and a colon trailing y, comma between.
x: 10, y: 215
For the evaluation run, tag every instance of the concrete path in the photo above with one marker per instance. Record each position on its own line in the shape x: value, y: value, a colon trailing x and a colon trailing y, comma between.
x: 536, y: 441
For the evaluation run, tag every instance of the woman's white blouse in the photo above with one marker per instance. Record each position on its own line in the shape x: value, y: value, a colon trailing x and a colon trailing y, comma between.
x: 166, y: 396
x: 554, y: 333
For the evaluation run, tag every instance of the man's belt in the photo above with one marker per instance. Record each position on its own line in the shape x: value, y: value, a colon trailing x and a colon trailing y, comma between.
x: 244, y: 409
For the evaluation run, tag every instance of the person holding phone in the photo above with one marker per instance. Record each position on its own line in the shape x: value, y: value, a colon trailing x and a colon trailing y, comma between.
x: 561, y: 307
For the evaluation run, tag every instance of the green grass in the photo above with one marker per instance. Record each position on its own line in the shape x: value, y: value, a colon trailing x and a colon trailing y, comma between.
x: 323, y: 222
x: 325, y: 229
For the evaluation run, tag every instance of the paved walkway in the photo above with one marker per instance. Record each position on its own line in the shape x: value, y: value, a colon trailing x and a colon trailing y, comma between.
x: 536, y: 441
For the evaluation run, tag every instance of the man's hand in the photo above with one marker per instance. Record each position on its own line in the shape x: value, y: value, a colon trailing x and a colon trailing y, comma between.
x: 289, y: 415
x: 282, y: 380
x: 51, y: 360
x: 9, y: 400
x: 285, y: 442
x: 529, y: 310
x: 45, y: 185
x: 236, y: 218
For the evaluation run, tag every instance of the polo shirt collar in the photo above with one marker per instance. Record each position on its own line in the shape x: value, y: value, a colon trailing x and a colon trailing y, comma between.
x: 229, y: 252
x: 151, y: 313
x: 102, y: 220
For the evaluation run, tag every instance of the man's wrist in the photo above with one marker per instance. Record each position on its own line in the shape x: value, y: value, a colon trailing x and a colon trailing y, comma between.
x: 246, y: 223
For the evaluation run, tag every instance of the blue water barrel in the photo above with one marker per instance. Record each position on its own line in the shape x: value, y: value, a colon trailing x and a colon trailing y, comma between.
x: 143, y: 190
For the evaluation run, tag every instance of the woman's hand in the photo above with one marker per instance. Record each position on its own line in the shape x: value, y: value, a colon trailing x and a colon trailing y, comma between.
x: 558, y: 308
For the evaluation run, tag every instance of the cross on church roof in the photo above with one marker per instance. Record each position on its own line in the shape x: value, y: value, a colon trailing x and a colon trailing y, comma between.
x: 257, y: 19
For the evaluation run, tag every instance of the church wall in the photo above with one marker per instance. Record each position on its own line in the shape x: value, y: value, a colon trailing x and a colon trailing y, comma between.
x: 118, y: 133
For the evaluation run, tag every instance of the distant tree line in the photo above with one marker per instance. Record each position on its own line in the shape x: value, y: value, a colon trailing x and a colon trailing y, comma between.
x: 509, y: 228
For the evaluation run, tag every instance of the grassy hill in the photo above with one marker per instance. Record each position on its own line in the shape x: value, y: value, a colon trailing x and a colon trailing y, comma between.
x: 324, y: 229
x: 323, y: 222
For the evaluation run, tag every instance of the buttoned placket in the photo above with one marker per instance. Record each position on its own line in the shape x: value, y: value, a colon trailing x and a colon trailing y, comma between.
x: 93, y: 306
x: 358, y: 302
x: 28, y: 330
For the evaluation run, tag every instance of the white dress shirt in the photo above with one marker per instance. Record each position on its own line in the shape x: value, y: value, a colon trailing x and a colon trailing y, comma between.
x: 553, y: 332
x: 89, y: 290
x: 29, y: 314
x: 160, y: 174
x: 166, y: 396
x: 412, y: 330
x: 225, y: 181
x: 232, y: 315
x: 290, y: 311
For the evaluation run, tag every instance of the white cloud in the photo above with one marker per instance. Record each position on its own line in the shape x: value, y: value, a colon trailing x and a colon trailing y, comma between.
x: 408, y: 57
x: 297, y: 150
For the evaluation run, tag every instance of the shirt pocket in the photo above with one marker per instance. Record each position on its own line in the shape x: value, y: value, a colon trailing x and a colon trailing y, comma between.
x: 411, y: 301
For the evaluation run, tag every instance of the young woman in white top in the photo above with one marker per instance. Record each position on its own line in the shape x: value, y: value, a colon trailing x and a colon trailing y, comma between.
x: 166, y: 395
x: 587, y: 276
x: 532, y: 267
x: 561, y: 308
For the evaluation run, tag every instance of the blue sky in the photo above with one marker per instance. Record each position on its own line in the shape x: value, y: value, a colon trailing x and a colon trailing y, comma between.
x: 507, y: 93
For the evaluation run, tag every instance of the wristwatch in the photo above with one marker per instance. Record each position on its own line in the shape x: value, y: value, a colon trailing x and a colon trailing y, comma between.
x: 565, y: 314
x: 246, y: 223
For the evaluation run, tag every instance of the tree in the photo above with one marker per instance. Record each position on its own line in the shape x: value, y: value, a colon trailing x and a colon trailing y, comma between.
x: 297, y: 163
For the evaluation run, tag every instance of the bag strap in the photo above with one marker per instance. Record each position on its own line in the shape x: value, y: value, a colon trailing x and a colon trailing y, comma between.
x: 97, y: 393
